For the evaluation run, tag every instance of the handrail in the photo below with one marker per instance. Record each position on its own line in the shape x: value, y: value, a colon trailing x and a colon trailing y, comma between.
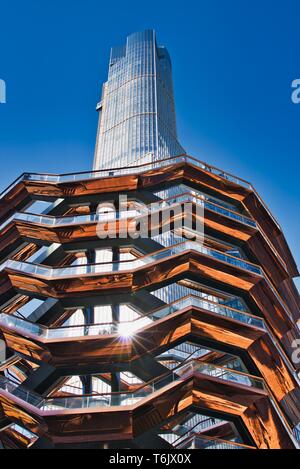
x: 97, y: 268
x: 129, y: 398
x: 127, y: 328
x: 192, y: 429
x: 225, y: 444
x: 151, y: 165
x: 181, y: 300
x: 67, y: 220
x: 137, y: 169
x: 40, y: 269
x: 132, y: 326
x: 125, y: 214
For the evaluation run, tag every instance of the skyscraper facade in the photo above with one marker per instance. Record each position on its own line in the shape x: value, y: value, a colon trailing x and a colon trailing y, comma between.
x: 137, y: 120
x: 180, y: 336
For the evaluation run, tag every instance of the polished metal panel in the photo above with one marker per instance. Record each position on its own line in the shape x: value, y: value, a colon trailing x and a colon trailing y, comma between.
x: 262, y: 335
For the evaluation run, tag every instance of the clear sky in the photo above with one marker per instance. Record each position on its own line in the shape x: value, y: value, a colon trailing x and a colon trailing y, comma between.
x: 233, y: 64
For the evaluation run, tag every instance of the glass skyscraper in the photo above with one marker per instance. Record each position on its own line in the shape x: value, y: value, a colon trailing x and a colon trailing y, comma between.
x: 137, y: 122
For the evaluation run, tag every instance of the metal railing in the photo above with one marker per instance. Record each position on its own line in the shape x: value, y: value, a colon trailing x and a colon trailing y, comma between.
x: 194, y: 441
x: 67, y: 220
x: 128, y: 327
x: 130, y: 398
x: 204, y: 423
x: 102, y: 173
x: 108, y: 267
x: 69, y: 177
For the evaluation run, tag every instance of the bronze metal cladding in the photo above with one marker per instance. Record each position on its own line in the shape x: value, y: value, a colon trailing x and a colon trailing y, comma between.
x: 263, y: 414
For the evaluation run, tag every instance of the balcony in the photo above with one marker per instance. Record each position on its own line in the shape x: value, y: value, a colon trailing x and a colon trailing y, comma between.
x: 133, y: 170
x: 189, y: 369
x: 108, y: 267
x: 126, y: 214
x: 127, y: 328
x: 69, y: 272
x: 71, y: 177
x: 124, y: 415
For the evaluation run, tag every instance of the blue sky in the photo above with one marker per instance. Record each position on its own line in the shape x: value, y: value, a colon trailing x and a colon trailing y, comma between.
x: 233, y: 64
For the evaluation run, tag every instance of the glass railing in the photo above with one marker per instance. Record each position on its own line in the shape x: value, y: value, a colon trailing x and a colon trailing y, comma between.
x: 127, y: 328
x: 21, y: 392
x: 54, y: 178
x: 227, y: 374
x: 194, y: 301
x: 125, y: 214
x: 185, y: 432
x: 194, y: 441
x: 188, y: 197
x: 68, y: 220
x: 229, y: 213
x: 69, y: 177
x: 130, y: 398
x: 108, y: 267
